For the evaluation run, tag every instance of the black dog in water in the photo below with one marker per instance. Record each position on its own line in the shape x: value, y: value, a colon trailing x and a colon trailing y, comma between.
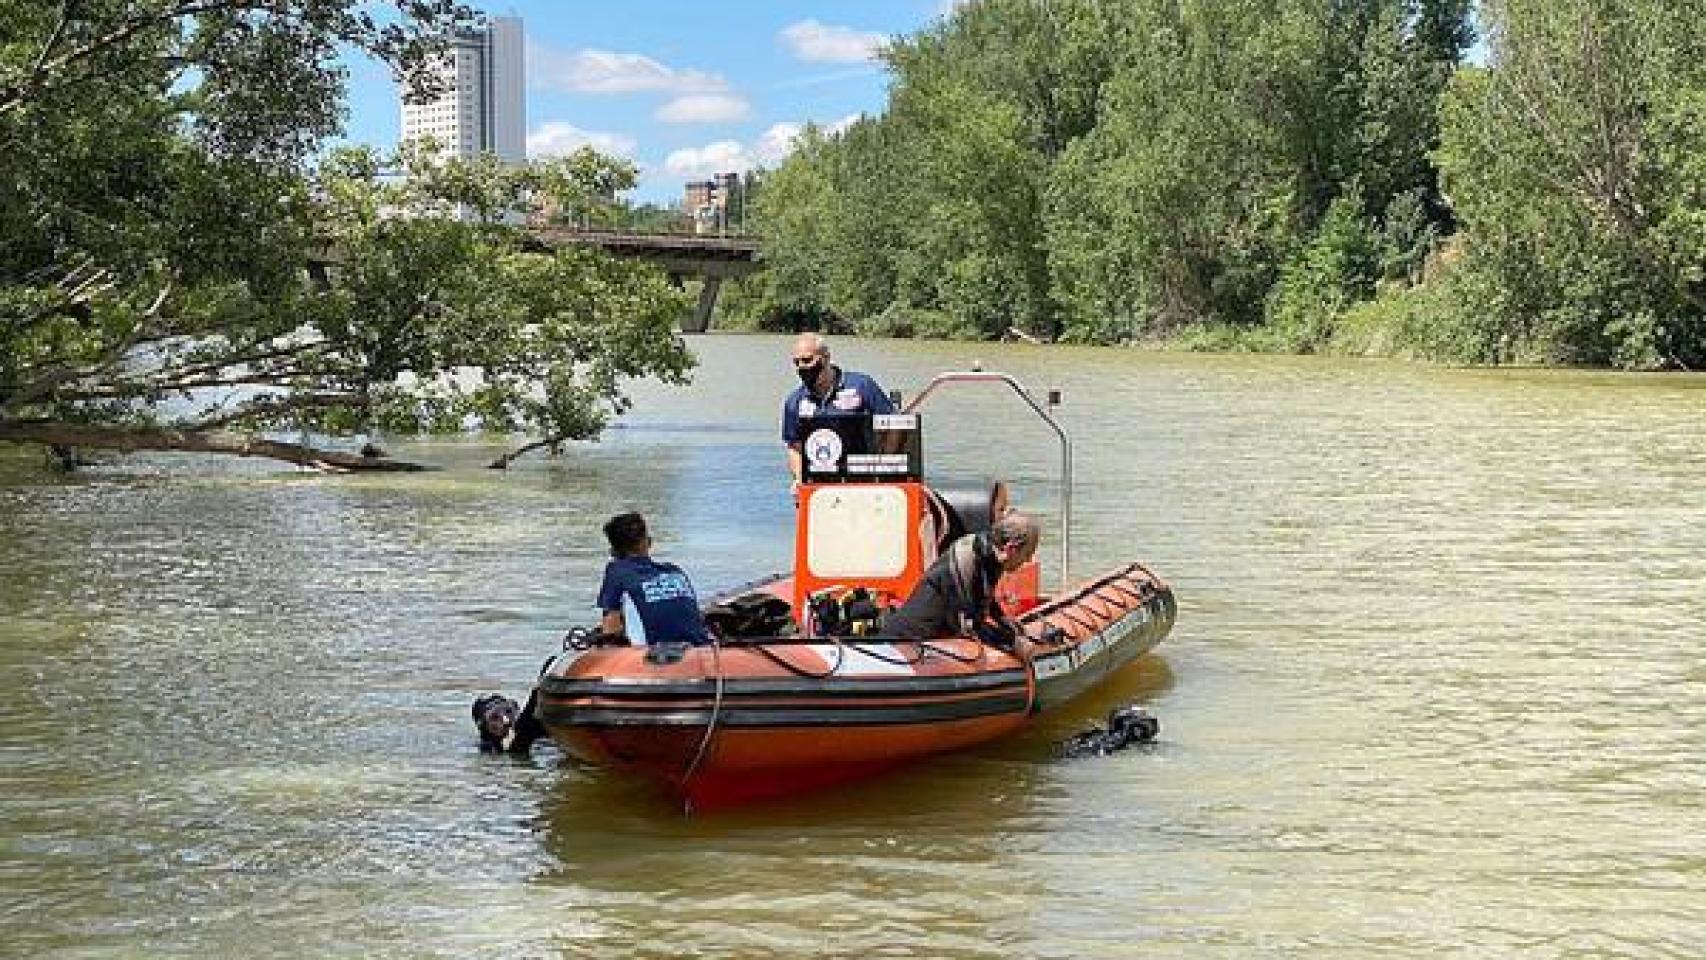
x: 505, y: 726
x: 1126, y: 725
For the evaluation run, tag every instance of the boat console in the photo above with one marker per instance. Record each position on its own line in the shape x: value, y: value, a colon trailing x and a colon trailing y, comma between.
x: 860, y: 520
x: 867, y: 527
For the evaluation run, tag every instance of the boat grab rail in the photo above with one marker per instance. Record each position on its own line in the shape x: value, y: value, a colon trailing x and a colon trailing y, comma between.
x: 990, y: 376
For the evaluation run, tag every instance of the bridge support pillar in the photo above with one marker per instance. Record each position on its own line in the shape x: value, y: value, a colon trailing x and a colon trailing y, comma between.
x: 700, y: 321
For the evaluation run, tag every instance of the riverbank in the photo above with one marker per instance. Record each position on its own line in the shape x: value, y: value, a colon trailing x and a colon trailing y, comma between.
x: 1424, y: 323
x: 1418, y: 324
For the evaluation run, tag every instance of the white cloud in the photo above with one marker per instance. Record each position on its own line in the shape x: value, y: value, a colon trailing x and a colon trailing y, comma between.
x: 556, y: 138
x: 603, y: 71
x: 811, y: 40
x: 840, y: 126
x: 704, y: 108
x: 724, y: 156
x: 776, y: 143
x: 732, y: 156
x: 819, y: 79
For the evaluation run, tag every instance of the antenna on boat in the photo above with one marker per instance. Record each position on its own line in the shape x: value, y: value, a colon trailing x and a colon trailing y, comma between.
x: 978, y: 375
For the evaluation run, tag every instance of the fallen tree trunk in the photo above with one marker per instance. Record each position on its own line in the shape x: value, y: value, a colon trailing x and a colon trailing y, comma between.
x: 192, y: 441
x: 503, y: 462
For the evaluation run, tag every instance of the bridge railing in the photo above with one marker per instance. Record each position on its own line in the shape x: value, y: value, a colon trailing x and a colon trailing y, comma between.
x: 597, y: 233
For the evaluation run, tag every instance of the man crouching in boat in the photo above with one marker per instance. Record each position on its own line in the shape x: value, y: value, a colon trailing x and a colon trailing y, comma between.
x: 643, y: 600
x: 956, y: 597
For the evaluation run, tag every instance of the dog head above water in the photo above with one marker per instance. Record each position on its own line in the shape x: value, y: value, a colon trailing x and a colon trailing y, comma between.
x: 1127, y: 725
x: 1131, y: 724
x: 494, y: 717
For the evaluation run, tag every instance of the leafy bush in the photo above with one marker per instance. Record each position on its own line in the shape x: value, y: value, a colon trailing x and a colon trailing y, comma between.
x: 1324, y: 278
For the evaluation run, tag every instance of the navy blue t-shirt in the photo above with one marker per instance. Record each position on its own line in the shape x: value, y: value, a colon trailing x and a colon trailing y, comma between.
x: 850, y: 393
x: 656, y: 601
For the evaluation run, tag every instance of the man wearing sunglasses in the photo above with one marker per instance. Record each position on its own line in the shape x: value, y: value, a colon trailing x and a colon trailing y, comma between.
x: 825, y: 390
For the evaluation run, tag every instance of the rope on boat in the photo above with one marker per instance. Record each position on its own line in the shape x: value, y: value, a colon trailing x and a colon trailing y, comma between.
x: 1136, y: 596
x: 840, y: 657
x: 1067, y: 614
x: 711, y: 724
x: 924, y: 647
x: 982, y: 653
x: 1110, y: 610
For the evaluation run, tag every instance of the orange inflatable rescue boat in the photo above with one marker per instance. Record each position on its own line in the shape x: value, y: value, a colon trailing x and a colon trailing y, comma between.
x: 800, y: 690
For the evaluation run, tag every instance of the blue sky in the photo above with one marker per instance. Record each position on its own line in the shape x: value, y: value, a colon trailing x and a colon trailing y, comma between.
x: 684, y: 89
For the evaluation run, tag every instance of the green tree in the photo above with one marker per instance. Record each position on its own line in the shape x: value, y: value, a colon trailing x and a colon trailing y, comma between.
x: 1574, y: 165
x: 433, y: 322
x: 157, y: 224
x: 796, y: 212
x: 1114, y: 169
x: 1174, y: 209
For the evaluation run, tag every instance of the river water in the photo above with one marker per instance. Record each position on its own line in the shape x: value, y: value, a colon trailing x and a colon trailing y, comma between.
x: 1436, y: 688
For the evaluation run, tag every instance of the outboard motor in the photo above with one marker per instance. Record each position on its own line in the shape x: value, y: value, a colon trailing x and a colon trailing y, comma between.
x: 962, y: 510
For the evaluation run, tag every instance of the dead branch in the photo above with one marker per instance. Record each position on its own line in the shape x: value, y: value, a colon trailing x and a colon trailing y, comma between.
x: 503, y: 462
x: 131, y: 439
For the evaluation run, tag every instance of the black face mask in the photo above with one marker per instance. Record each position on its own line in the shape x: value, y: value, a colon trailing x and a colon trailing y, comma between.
x: 808, y: 375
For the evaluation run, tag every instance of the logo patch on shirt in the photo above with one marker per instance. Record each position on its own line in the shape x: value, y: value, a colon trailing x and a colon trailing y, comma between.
x: 666, y: 586
x: 848, y: 399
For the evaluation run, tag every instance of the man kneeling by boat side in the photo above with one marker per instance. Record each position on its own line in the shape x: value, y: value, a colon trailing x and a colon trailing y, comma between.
x: 642, y: 599
x: 956, y: 597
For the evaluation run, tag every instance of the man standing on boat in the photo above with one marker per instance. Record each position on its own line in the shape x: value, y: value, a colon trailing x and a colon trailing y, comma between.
x: 956, y: 596
x: 642, y: 599
x: 825, y: 390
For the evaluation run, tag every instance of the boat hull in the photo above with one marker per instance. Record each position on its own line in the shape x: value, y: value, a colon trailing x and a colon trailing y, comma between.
x: 1107, y: 624
x: 753, y: 719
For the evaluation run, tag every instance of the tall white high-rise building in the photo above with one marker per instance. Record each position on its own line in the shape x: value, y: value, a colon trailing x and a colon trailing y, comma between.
x: 483, y: 108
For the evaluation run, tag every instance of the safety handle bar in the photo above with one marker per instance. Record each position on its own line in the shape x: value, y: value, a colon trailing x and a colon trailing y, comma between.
x: 982, y: 376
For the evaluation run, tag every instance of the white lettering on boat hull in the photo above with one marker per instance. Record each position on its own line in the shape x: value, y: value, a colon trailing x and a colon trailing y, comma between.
x: 1068, y: 661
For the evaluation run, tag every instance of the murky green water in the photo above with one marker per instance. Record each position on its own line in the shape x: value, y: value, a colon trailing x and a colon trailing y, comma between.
x: 1438, y: 687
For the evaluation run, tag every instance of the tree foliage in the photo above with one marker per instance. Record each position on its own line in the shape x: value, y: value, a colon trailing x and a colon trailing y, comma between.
x: 1575, y: 163
x: 1106, y: 170
x: 441, y: 322
x: 159, y: 219
x: 1112, y: 170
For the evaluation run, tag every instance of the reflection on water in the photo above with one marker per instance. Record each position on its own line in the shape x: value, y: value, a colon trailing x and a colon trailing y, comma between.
x: 1435, y: 686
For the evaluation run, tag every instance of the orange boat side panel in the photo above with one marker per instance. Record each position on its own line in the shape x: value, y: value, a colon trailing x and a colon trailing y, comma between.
x: 1094, y: 606
x: 894, y: 589
x: 945, y: 657
x: 667, y: 753
x: 757, y: 750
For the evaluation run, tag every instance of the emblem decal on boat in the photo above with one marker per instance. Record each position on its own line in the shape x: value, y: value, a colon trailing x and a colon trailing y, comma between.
x: 823, y: 449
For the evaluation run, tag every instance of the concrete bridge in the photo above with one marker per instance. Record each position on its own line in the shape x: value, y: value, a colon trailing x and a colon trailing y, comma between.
x: 683, y: 256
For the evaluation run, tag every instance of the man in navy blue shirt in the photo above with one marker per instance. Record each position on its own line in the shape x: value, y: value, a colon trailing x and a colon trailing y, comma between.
x: 825, y: 390
x: 642, y: 599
